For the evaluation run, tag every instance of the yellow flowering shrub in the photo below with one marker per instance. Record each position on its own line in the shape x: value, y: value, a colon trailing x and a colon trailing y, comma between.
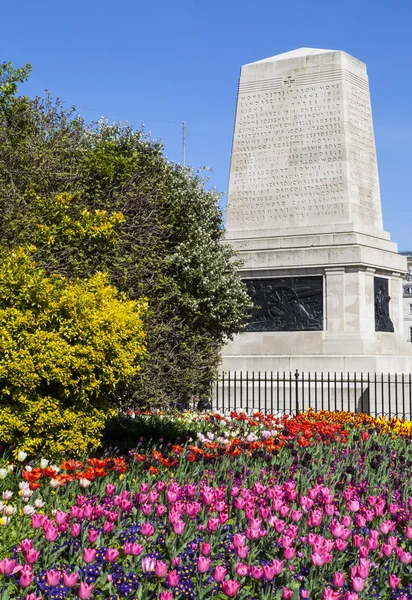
x: 65, y: 348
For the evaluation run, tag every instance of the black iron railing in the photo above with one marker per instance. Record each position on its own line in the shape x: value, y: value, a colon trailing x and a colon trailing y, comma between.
x: 375, y: 394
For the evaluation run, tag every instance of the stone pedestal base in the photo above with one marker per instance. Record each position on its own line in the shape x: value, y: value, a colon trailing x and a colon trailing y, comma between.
x: 349, y: 262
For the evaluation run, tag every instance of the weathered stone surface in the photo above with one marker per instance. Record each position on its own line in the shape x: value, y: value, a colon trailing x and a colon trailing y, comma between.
x: 303, y: 148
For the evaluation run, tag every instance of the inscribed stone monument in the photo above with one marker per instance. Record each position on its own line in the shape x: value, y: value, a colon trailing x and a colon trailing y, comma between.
x: 304, y: 212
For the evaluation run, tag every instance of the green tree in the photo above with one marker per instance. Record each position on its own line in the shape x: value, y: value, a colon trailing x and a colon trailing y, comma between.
x: 65, y: 347
x: 63, y: 185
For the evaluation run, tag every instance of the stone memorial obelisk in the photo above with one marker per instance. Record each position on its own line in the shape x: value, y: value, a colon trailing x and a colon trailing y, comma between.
x: 304, y: 212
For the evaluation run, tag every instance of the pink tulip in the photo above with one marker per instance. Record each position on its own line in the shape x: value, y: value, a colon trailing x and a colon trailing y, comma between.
x: 351, y: 596
x: 230, y: 587
x: 60, y: 517
x: 70, y: 579
x: 147, y: 529
x: 92, y: 535
x: 32, y: 556
x: 176, y: 561
x: 239, y: 540
x: 317, y: 560
x: 405, y: 557
x: 33, y: 596
x: 338, y: 579
x: 358, y: 583
x: 387, y: 526
x: 75, y: 530
x: 85, y: 590
x: 179, y: 527
x: 26, y: 578
x: 219, y: 573
x: 242, y: 569
x: 256, y: 572
x: 26, y: 544
x: 242, y: 551
x: 165, y: 595
x: 408, y: 532
x: 394, y: 581
x: 278, y: 566
x: 269, y: 572
x: 172, y: 578
x: 9, y: 567
x: 160, y: 568
x: 89, y: 554
x: 50, y: 533
x: 287, y: 593
x: 289, y: 553
x: 110, y: 489
x: 203, y: 564
x: 108, y: 527
x: 53, y: 578
x: 353, y: 505
x: 386, y: 549
x: 212, y: 524
x: 205, y: 549
x: 329, y: 594
x: 37, y: 521
x: 111, y: 554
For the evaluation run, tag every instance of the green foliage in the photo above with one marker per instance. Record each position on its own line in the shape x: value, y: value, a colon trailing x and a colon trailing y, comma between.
x: 65, y: 347
x: 103, y: 198
x: 9, y: 78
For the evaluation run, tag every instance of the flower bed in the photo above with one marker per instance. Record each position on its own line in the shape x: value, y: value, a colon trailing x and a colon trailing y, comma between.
x: 310, y: 509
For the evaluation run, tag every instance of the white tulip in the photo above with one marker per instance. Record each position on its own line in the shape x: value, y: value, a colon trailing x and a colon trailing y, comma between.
x: 3, y: 473
x: 7, y: 495
x: 43, y: 463
x: 28, y: 510
x: 84, y: 483
x: 21, y: 456
x: 9, y: 510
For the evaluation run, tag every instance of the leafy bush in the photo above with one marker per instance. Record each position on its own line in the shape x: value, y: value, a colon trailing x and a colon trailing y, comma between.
x: 65, y: 348
x: 103, y: 198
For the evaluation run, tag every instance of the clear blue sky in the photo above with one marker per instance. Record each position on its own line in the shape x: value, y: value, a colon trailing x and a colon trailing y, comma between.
x: 160, y: 63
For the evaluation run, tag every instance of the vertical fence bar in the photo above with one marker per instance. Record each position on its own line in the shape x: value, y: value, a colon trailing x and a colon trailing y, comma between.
x: 348, y: 394
x: 259, y: 383
x: 403, y: 395
x: 309, y: 392
x: 228, y: 390
x: 316, y: 392
x: 396, y: 394
x: 247, y: 392
x: 382, y: 394
x: 235, y: 393
x: 296, y: 392
x: 341, y: 390
x: 355, y: 395
x: 217, y: 391
x: 328, y: 391
x: 389, y: 395
x: 271, y: 392
x: 361, y: 392
x: 277, y: 390
x: 321, y: 389
x: 410, y: 397
x: 223, y: 392
x: 241, y: 389
x: 303, y: 392
x: 369, y: 394
x: 253, y: 390
x: 376, y: 394
x: 266, y: 394
x: 284, y: 391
